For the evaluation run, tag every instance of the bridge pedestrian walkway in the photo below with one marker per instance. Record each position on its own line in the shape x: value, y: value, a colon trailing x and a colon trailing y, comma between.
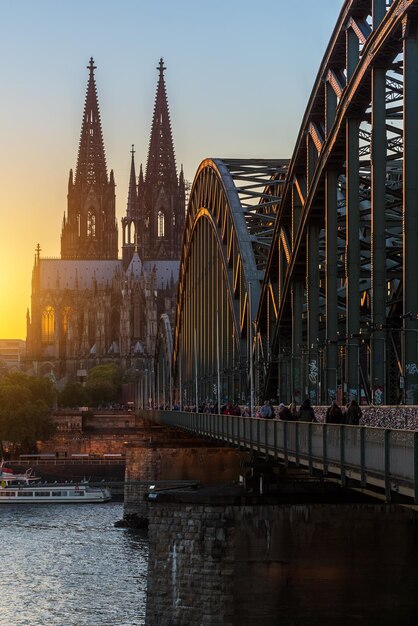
x: 378, y: 459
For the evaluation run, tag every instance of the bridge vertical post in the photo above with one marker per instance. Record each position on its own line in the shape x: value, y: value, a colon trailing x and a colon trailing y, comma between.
x: 410, y: 211
x: 352, y: 52
x: 378, y: 12
x: 378, y: 233
x: 312, y: 301
x: 297, y: 320
x: 280, y: 271
x: 352, y: 258
x: 312, y: 159
x: 296, y: 211
x: 330, y: 107
x: 331, y: 306
x: 331, y: 284
x: 250, y: 348
x: 352, y: 230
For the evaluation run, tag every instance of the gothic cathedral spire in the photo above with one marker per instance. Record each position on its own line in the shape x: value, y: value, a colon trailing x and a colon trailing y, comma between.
x: 161, y: 197
x: 161, y: 163
x: 90, y: 230
x: 91, y: 163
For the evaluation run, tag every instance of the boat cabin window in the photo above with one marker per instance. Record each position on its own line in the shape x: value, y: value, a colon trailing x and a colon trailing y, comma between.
x: 7, y: 494
x: 41, y: 494
x: 58, y: 493
x: 79, y: 493
x: 25, y: 493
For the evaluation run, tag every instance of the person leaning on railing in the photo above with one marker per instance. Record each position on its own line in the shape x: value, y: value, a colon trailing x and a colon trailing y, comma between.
x: 284, y: 413
x: 306, y: 412
x: 354, y: 413
x: 293, y: 412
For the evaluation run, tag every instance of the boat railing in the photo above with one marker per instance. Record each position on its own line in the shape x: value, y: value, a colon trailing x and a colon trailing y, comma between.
x: 66, y: 461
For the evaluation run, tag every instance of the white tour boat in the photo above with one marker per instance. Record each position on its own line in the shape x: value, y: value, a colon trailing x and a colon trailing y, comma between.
x: 24, y: 488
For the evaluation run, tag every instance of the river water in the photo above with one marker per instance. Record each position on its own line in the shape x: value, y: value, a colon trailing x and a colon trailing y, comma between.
x: 66, y: 565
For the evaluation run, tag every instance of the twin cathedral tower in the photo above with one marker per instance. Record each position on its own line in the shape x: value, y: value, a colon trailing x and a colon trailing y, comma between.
x: 89, y: 306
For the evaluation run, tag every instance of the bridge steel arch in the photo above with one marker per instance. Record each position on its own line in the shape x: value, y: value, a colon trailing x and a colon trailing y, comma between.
x: 226, y: 241
x: 339, y: 305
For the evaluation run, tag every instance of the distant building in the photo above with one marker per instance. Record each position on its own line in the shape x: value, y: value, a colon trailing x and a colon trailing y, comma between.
x: 12, y: 352
x: 89, y: 307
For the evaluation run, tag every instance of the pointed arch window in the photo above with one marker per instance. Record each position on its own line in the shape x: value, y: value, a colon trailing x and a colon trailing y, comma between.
x: 160, y: 224
x: 48, y: 324
x: 91, y: 224
x: 65, y: 319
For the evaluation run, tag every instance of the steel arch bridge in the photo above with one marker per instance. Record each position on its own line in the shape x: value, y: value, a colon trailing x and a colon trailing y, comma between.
x: 339, y: 306
x: 320, y: 253
x: 226, y: 242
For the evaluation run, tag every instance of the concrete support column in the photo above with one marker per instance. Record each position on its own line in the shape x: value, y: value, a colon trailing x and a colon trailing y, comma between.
x: 312, y: 300
x: 352, y: 259
x: 410, y: 213
x: 331, y: 284
x: 378, y: 239
x: 297, y: 310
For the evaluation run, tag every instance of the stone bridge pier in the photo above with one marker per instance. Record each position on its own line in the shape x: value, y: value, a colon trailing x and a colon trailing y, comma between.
x: 180, y: 462
x: 213, y: 561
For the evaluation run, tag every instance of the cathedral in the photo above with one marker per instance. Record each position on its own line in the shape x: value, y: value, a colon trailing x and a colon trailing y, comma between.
x: 90, y: 307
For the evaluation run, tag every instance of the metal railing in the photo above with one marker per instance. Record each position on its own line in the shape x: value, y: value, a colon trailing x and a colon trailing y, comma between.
x: 65, y: 461
x: 374, y: 458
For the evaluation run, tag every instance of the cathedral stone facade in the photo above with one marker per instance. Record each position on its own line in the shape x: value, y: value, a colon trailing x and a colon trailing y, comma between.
x: 89, y: 307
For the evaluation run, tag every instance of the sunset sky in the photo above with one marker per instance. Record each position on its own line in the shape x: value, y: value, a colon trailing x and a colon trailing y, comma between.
x: 238, y: 79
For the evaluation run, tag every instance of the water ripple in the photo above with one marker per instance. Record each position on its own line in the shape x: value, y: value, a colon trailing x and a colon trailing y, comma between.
x: 66, y: 565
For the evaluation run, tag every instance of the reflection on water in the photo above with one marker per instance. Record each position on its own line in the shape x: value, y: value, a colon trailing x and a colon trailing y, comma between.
x: 66, y: 565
